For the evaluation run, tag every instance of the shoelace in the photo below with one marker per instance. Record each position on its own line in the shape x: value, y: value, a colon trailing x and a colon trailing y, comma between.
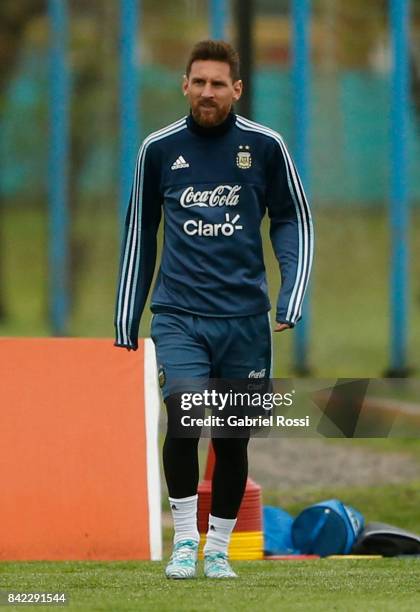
x: 183, y: 553
x: 220, y: 560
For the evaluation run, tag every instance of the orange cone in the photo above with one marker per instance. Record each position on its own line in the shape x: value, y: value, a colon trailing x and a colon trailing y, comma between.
x: 247, y: 541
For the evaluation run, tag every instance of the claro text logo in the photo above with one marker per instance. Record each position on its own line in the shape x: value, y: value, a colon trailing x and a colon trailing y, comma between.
x: 193, y: 227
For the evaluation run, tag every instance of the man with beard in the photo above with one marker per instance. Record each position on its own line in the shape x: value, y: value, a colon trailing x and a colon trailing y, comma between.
x: 214, y: 174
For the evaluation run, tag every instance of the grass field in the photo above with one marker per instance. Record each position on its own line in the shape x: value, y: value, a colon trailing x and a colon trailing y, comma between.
x: 394, y: 504
x: 368, y: 585
x: 349, y: 338
x: 342, y: 585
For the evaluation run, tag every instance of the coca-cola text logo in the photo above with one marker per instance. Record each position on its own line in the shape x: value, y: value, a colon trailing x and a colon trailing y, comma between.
x: 222, y: 195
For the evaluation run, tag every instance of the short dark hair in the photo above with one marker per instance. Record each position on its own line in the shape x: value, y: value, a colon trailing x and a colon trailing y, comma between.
x: 218, y: 51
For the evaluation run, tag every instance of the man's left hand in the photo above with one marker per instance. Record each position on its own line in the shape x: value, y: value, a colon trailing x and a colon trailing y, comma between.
x: 281, y: 327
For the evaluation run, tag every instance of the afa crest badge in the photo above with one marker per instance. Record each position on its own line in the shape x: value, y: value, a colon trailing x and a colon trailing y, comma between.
x: 161, y: 377
x: 243, y: 157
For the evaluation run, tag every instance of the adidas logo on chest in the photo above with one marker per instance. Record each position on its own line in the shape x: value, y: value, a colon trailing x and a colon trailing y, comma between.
x: 180, y: 163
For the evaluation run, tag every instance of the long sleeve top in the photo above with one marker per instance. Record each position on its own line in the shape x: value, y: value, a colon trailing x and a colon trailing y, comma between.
x: 214, y: 186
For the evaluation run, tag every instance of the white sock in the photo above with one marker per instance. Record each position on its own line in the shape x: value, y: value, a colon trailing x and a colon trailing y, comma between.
x: 184, y: 514
x: 218, y: 534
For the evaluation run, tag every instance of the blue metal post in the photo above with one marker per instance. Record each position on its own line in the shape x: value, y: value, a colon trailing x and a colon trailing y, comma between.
x: 129, y: 93
x: 58, y: 167
x: 399, y: 14
x: 301, y: 14
x: 218, y: 18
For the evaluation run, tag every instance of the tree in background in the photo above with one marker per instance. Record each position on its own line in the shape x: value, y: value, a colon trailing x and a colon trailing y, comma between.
x: 15, y: 16
x: 94, y: 65
x: 415, y: 58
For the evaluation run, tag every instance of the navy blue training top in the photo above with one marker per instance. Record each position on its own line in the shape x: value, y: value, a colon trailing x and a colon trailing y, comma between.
x: 214, y: 186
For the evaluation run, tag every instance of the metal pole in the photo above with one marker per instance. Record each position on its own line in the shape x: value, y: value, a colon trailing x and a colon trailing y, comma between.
x: 58, y: 168
x: 218, y: 18
x: 301, y: 75
x: 399, y: 14
x: 129, y: 116
x: 244, y: 17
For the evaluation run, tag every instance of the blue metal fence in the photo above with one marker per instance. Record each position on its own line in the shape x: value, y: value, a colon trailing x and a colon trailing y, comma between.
x: 59, y: 168
x: 218, y: 19
x: 399, y: 12
x: 301, y: 77
x: 129, y: 97
x: 304, y: 90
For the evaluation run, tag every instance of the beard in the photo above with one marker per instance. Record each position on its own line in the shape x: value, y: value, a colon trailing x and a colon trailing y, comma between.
x: 209, y: 114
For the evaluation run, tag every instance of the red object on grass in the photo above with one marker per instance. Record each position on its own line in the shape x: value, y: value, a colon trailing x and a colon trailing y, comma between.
x: 290, y: 557
x: 250, y: 512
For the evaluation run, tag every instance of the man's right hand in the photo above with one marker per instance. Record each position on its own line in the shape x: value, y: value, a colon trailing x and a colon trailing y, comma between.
x: 281, y: 327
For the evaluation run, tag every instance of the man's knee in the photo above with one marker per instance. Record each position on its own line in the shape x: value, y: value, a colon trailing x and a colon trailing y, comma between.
x: 182, y: 423
x: 230, y: 448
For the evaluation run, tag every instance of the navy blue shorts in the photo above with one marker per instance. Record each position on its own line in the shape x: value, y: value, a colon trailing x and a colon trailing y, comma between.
x: 195, y: 347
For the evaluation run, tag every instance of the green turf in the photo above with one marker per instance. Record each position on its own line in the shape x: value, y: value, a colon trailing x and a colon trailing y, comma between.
x: 24, y: 265
x: 349, y: 337
x: 395, y: 504
x: 408, y: 446
x: 384, y: 585
x: 343, y: 585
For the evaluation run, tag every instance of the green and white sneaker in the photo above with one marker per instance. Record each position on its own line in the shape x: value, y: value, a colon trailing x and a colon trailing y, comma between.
x: 216, y: 565
x: 183, y: 562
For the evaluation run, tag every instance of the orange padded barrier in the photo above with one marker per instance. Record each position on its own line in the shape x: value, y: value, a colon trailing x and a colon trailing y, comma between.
x: 79, y: 475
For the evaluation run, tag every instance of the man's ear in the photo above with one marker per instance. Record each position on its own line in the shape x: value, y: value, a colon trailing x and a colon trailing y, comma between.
x: 237, y: 89
x: 185, y: 85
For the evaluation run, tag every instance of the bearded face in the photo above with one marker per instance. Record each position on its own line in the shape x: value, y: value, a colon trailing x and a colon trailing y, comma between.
x: 211, y: 91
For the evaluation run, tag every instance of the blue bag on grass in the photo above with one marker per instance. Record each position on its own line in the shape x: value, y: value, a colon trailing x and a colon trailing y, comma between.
x: 277, y: 525
x: 327, y: 528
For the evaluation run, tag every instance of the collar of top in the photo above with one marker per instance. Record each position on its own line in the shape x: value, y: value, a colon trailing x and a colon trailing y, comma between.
x: 217, y: 130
